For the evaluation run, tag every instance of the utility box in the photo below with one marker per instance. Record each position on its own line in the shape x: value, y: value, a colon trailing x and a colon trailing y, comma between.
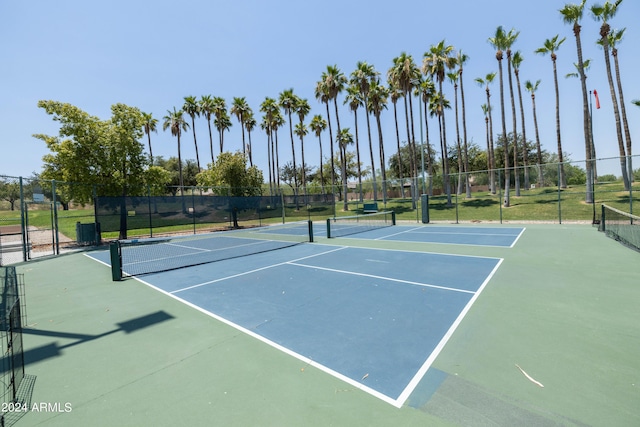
x: 88, y: 234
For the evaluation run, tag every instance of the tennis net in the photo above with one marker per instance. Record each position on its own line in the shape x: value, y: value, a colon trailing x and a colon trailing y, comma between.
x: 621, y: 226
x: 347, y: 225
x: 138, y: 257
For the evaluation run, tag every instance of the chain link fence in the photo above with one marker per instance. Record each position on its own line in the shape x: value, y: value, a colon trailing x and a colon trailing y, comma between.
x: 42, y: 217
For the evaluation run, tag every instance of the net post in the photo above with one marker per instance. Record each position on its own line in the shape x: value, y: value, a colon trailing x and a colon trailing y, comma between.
x: 393, y: 218
x: 424, y: 203
x: 310, y: 231
x: 328, y: 228
x: 602, y: 219
x: 116, y: 261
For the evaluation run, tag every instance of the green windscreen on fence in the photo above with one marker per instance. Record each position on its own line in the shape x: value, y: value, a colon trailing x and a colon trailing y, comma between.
x: 621, y: 226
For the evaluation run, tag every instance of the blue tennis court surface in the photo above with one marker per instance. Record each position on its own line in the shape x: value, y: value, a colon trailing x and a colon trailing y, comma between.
x: 458, y: 235
x: 374, y: 318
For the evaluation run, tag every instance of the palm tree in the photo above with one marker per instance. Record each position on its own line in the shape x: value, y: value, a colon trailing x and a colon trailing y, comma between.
x: 436, y: 62
x: 437, y: 105
x: 222, y: 122
x: 453, y: 78
x: 572, y: 14
x: 344, y: 138
x: 287, y: 101
x: 362, y: 78
x: 240, y: 108
x: 486, y: 111
x: 219, y: 109
x: 322, y: 95
x: 175, y: 122
x: 270, y: 124
x: 192, y: 108
x: 206, y: 108
x: 532, y: 88
x: 354, y: 100
x: 425, y: 91
x: 510, y: 39
x: 302, y: 109
x: 318, y: 125
x: 249, y: 125
x: 550, y: 47
x: 150, y: 125
x: 404, y: 74
x: 498, y: 41
x: 335, y: 82
x: 604, y: 13
x: 491, y: 162
x: 377, y: 102
x: 462, y: 59
x: 395, y: 94
x: 516, y: 60
x: 615, y: 37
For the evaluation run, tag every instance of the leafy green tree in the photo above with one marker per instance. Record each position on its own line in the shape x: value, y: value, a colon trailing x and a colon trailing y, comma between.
x: 104, y: 153
x: 231, y: 176
x: 10, y: 192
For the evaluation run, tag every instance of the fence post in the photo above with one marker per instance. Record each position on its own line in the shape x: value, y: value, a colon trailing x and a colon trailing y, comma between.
x: 559, y: 193
x: 23, y: 222
x: 55, y: 217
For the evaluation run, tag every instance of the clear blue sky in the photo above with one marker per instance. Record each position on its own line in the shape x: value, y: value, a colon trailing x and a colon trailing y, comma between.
x: 151, y: 54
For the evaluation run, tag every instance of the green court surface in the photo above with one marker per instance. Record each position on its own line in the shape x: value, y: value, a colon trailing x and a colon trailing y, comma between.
x: 554, y: 339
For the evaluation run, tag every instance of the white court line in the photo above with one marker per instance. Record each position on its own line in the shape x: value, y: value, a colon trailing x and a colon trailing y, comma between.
x: 398, y: 233
x: 253, y: 271
x: 517, y: 238
x: 353, y: 273
x: 283, y: 349
x: 432, y: 357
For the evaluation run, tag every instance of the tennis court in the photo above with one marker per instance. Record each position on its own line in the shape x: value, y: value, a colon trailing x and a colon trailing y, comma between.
x: 338, y: 308
x: 403, y: 325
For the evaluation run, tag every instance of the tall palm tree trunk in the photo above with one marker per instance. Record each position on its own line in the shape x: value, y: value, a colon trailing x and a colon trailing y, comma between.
x: 395, y: 116
x: 525, y: 155
x: 514, y: 122
x: 344, y: 171
x: 333, y: 169
x: 538, y: 147
x: 562, y: 178
x: 360, y: 192
x: 373, y: 167
x: 623, y: 110
x: 604, y: 33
